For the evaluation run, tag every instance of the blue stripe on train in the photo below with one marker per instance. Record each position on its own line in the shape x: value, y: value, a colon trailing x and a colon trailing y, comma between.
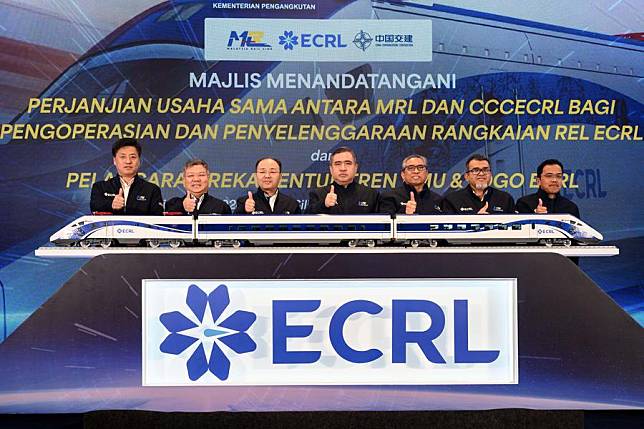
x: 481, y: 226
x: 301, y: 227
x: 84, y: 230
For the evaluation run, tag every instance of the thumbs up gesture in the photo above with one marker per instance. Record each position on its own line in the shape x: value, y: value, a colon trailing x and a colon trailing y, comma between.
x: 410, y: 208
x: 249, y: 205
x: 119, y: 201
x: 189, y: 203
x: 484, y: 209
x: 541, y: 209
x: 331, y: 198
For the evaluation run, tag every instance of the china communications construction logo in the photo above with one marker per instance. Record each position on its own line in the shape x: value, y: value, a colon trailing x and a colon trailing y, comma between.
x: 208, y: 332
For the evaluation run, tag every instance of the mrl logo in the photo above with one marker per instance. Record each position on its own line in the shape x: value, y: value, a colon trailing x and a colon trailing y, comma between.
x: 247, y: 39
x: 331, y: 332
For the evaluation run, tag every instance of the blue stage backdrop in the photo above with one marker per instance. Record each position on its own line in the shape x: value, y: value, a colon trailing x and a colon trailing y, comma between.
x: 517, y: 81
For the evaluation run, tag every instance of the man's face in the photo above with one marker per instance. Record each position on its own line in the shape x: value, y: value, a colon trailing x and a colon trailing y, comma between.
x: 268, y: 175
x: 414, y: 172
x: 551, y: 179
x: 479, y: 174
x: 127, y: 161
x: 195, y: 180
x: 343, y: 168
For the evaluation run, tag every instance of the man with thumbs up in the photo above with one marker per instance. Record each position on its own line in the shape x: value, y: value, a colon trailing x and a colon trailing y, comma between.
x: 547, y: 199
x: 414, y: 196
x: 126, y: 193
x: 343, y: 195
x: 267, y: 199
x: 478, y: 197
x: 196, y: 178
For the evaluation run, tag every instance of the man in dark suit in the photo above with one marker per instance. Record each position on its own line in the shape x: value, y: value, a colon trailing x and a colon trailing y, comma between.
x: 126, y: 193
x: 413, y: 196
x: 478, y: 197
x: 267, y: 199
x: 196, y: 178
x: 343, y: 195
x: 547, y: 199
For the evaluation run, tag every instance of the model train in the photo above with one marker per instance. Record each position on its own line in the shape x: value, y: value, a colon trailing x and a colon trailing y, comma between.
x: 352, y: 230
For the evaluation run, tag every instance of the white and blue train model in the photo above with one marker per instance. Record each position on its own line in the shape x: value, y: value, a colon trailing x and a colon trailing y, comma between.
x: 351, y: 230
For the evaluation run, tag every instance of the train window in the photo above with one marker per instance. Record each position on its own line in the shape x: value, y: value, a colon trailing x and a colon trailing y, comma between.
x: 231, y: 227
x: 351, y: 227
x: 269, y: 227
x: 283, y: 227
x: 337, y: 227
x: 358, y: 93
x: 516, y: 227
x: 448, y: 227
x: 324, y: 227
x: 296, y: 228
x: 241, y: 228
x: 476, y: 227
x: 363, y: 227
x: 180, y: 12
x: 461, y: 227
x: 255, y: 228
x: 488, y: 227
x: 299, y: 119
x: 433, y: 227
x: 502, y: 227
x: 310, y: 227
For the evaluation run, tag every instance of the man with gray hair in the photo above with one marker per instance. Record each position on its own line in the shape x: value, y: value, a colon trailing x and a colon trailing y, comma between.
x: 196, y: 178
x: 413, y: 196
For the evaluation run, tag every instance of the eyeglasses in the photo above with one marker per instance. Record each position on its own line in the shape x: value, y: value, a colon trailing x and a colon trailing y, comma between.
x: 551, y: 176
x: 477, y: 171
x: 418, y: 168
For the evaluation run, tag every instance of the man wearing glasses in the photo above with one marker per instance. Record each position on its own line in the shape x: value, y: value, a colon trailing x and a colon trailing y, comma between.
x: 267, y: 199
x: 414, y: 196
x: 478, y: 197
x: 196, y: 178
x: 547, y: 198
x: 343, y: 195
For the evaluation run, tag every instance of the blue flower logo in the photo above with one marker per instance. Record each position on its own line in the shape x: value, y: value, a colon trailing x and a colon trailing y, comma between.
x: 288, y: 40
x: 231, y: 332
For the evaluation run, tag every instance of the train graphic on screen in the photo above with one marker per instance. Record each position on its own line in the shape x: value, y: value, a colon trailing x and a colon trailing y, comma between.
x: 350, y: 230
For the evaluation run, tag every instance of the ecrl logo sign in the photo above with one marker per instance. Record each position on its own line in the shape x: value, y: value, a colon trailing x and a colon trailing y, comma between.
x: 329, y: 332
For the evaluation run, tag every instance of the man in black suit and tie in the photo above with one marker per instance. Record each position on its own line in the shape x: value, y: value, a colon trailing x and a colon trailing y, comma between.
x: 267, y: 199
x: 197, y: 200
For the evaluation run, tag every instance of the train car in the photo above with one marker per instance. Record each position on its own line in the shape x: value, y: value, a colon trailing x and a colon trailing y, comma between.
x: 104, y: 231
x: 555, y: 229
x: 354, y: 230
